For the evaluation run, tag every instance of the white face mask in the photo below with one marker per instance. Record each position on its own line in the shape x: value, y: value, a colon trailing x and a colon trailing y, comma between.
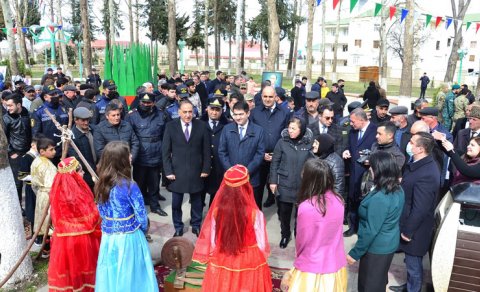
x: 409, y: 149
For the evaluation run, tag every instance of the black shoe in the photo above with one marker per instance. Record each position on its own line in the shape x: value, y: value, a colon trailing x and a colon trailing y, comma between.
x: 159, y: 212
x: 196, y: 231
x: 401, y: 288
x: 161, y: 198
x: 349, y: 232
x: 268, y: 203
x: 178, y: 233
x: 284, y: 242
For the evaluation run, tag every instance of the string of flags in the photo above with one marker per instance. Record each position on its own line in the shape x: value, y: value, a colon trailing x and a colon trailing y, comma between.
x: 404, y: 13
x: 37, y: 29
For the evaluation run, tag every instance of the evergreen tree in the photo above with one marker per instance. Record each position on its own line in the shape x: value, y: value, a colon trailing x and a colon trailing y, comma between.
x: 157, y: 21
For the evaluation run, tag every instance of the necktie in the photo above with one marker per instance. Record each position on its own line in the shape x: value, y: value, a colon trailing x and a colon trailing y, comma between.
x: 324, y: 130
x: 360, y: 135
x: 187, y: 134
x: 241, y: 133
x: 474, y: 134
x: 214, y: 125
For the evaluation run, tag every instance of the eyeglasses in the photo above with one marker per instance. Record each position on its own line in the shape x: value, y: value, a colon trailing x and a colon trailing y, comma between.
x: 328, y: 118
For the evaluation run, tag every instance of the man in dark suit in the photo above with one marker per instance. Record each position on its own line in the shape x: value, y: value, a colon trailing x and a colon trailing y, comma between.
x: 421, y: 184
x: 242, y: 142
x: 361, y: 137
x: 216, y: 121
x: 202, y: 92
x: 325, y: 125
x: 402, y: 135
x: 186, y: 161
x: 463, y: 137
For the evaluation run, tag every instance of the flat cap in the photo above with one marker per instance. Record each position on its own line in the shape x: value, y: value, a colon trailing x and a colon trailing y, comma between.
x: 69, y: 88
x: 82, y: 113
x: 325, y: 102
x: 429, y: 111
x: 312, y: 95
x: 280, y: 92
x: 383, y: 102
x: 29, y: 88
x: 399, y: 110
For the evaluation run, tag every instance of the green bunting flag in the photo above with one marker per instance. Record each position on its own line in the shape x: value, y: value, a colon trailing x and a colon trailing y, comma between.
x: 352, y: 4
x: 429, y: 18
x: 378, y: 8
x: 468, y: 25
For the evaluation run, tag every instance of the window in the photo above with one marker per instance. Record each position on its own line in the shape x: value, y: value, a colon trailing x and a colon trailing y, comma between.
x: 376, y: 28
x: 358, y: 43
x: 449, y: 42
x: 471, y: 58
x: 437, y: 46
x: 345, y: 48
x: 376, y: 44
x: 345, y: 62
x: 332, y: 32
x: 473, y: 45
x: 333, y: 48
x: 355, y: 60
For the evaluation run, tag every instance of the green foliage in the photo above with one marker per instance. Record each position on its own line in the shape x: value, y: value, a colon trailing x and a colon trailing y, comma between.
x: 3, y: 36
x: 258, y: 26
x: 117, y: 21
x: 157, y: 21
x: 196, y: 38
x: 76, y: 21
x: 22, y: 69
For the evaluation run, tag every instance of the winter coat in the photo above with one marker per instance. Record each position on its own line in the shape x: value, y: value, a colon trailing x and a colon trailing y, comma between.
x: 106, y: 132
x: 18, y: 132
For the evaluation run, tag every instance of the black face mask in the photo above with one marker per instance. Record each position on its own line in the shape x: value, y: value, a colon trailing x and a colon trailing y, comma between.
x: 112, y: 95
x: 55, y: 100
x: 145, y: 108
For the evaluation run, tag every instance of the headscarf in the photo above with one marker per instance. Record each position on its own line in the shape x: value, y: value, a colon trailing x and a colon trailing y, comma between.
x: 326, y: 147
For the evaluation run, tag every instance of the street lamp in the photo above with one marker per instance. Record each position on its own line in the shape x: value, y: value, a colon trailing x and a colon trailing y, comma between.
x: 461, y: 54
x: 181, y: 44
x: 79, y: 43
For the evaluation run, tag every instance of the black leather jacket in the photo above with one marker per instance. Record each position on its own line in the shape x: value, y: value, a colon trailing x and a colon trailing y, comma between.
x: 18, y: 131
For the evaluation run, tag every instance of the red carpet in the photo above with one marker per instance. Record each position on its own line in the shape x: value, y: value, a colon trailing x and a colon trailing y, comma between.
x: 277, y: 273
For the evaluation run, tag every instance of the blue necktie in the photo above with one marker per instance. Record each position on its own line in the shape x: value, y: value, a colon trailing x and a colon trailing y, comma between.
x: 241, y: 133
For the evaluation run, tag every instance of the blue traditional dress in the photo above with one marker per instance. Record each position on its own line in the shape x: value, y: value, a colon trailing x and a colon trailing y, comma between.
x: 124, y: 261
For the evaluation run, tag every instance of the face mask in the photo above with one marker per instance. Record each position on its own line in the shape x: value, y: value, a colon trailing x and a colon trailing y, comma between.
x: 112, y: 95
x: 409, y: 149
x: 145, y: 108
x: 55, y: 100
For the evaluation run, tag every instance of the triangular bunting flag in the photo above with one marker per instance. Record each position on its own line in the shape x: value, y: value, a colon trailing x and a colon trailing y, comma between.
x: 60, y: 27
x: 449, y: 21
x: 404, y: 15
x: 4, y: 30
x: 392, y: 11
x: 14, y: 30
x: 318, y: 2
x: 25, y: 29
x: 416, y: 16
x: 52, y: 28
x: 427, y: 21
x: 478, y: 26
x: 335, y: 3
x: 437, y: 22
x: 468, y: 24
x: 352, y: 4
x: 378, y: 8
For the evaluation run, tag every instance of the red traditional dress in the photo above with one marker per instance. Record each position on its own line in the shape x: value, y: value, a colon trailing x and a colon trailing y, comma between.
x: 233, y: 240
x: 76, y: 237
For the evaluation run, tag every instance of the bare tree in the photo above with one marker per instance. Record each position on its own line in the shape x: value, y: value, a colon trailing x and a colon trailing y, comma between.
x: 111, y: 11
x: 7, y: 16
x: 21, y: 36
x: 406, y: 80
x: 458, y: 14
x: 205, y: 25
x: 216, y: 34
x: 137, y: 21
x: 273, y: 35
x: 63, y: 45
x: 310, y: 16
x: 396, y: 40
x: 238, y: 35
x: 324, y: 9
x: 87, y: 45
x: 382, y: 52
x: 130, y: 19
x: 335, y: 44
x: 11, y: 224
x: 291, y: 54
x: 297, y: 33
x: 172, y: 37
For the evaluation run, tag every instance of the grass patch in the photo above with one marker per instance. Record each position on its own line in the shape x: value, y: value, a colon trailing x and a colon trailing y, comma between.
x: 37, y: 280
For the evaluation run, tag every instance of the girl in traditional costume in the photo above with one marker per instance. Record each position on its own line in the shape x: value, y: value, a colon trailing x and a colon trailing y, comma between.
x: 76, y: 236
x: 233, y: 240
x: 124, y: 261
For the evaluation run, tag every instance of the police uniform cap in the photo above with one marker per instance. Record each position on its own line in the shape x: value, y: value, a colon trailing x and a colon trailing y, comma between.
x: 69, y: 88
x: 147, y: 97
x: 312, y: 95
x: 353, y: 105
x: 82, y: 113
x: 109, y: 84
x: 429, y: 111
x: 49, y: 89
x: 383, y: 102
x: 218, y: 93
x: 365, y: 106
x: 215, y: 103
x: 182, y: 91
x: 399, y: 110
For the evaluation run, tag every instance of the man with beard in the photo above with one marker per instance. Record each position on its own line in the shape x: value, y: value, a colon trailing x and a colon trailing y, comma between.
x: 193, y: 95
x: 43, y: 124
x: 310, y: 111
x: 380, y: 113
x: 29, y: 97
x: 109, y: 93
x: 148, y: 124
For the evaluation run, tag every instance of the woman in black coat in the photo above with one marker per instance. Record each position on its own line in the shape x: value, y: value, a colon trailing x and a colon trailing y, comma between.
x: 291, y: 152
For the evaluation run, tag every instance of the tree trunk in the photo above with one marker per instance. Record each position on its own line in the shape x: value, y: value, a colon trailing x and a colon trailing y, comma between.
x: 21, y: 35
x: 111, y: 10
x: 273, y: 35
x: 216, y: 34
x: 324, y: 10
x: 458, y: 14
x: 406, y: 80
x: 335, y: 45
x: 244, y: 37
x: 137, y: 21
x: 7, y: 16
x: 477, y: 93
x: 229, y: 53
x: 292, y: 44
x: 310, y: 16
x: 130, y: 19
x: 295, y: 49
x: 205, y: 24
x: 382, y: 52
x: 63, y: 45
x: 238, y: 35
x: 24, y: 21
x: 11, y: 223
x: 261, y: 53
x: 87, y: 46
x: 172, y: 37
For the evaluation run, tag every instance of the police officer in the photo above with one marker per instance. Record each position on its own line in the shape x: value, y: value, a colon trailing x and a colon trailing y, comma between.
x: 148, y: 124
x: 109, y: 93
x: 42, y: 123
x: 94, y: 79
x: 172, y: 110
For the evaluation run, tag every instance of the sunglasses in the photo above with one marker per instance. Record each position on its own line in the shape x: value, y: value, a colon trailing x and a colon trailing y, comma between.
x: 328, y: 118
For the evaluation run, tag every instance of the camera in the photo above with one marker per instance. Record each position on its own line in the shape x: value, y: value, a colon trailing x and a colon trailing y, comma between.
x: 364, y: 155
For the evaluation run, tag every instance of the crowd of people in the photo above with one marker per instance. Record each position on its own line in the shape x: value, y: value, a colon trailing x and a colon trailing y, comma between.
x: 376, y: 169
